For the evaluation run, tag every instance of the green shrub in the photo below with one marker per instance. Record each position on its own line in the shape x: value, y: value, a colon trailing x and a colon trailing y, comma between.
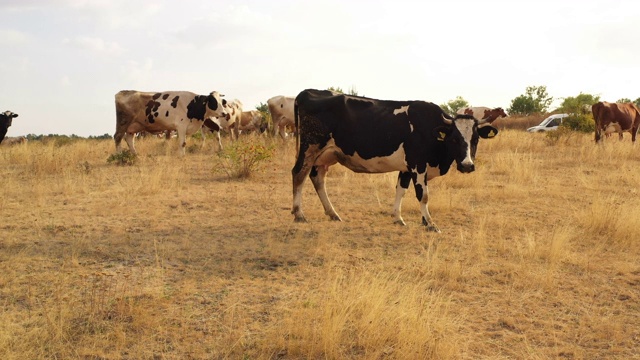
x: 239, y: 160
x: 579, y: 122
x: 122, y: 158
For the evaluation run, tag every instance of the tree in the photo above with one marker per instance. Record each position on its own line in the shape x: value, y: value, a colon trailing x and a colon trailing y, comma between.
x: 637, y: 101
x: 623, y: 100
x: 352, y: 91
x: 536, y: 100
x: 580, y: 104
x: 264, y: 111
x: 452, y: 106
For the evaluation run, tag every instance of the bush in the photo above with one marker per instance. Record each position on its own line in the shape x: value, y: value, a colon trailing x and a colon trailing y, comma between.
x: 579, y: 122
x: 563, y: 135
x: 240, y: 160
x: 122, y: 158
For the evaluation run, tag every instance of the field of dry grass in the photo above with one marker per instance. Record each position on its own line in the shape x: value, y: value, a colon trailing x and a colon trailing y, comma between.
x: 168, y: 259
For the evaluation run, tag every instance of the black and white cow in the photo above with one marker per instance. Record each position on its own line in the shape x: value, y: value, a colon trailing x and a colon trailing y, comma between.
x: 5, y: 121
x: 181, y: 111
x: 416, y: 138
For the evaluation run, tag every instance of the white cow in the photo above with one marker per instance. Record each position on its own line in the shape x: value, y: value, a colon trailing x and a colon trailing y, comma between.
x: 182, y: 111
x: 281, y: 109
x: 227, y: 123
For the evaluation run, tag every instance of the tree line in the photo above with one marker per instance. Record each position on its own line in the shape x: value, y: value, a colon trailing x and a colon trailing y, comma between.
x: 536, y: 100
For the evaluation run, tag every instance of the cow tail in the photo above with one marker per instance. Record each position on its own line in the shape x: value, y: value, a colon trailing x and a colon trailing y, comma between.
x: 296, y: 121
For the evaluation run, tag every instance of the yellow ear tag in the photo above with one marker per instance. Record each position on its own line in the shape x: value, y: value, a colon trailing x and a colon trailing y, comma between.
x: 491, y: 134
x: 442, y: 136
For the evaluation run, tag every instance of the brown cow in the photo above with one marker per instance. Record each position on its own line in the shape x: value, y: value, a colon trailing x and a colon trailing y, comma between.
x: 616, y: 117
x: 483, y: 113
x: 10, y: 141
x: 250, y: 121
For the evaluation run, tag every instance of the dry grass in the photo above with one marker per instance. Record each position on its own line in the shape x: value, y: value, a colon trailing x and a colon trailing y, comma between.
x: 168, y: 259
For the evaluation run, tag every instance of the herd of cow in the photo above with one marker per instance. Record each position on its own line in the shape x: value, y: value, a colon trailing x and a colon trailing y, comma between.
x: 415, y: 138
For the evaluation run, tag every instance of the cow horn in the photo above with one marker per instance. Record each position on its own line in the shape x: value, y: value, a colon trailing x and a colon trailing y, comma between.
x: 446, y: 120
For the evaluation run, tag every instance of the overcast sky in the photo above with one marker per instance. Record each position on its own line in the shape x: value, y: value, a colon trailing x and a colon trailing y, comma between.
x: 63, y: 60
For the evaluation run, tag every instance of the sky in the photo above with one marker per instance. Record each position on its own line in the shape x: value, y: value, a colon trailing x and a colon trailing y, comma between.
x: 63, y: 61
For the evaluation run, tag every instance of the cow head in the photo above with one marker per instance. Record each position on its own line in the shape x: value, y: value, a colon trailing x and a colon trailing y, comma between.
x: 460, y: 136
x: 6, y: 118
x: 215, y: 105
x: 5, y: 121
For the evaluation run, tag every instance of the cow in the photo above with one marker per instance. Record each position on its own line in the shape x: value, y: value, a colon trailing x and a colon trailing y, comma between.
x: 416, y: 138
x: 484, y: 113
x: 5, y: 121
x: 281, y: 110
x: 10, y: 141
x: 154, y: 112
x: 215, y: 125
x: 615, y: 117
x: 227, y: 123
x: 250, y: 121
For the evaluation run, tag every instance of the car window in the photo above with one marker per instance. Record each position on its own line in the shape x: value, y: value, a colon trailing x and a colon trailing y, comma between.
x: 554, y: 122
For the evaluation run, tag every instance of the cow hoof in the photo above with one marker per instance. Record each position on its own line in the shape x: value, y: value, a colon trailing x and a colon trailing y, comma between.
x: 335, y: 218
x: 300, y: 219
x: 433, y: 228
x: 400, y: 222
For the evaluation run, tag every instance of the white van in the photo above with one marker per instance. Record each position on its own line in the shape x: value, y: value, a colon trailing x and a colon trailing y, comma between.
x: 549, y: 124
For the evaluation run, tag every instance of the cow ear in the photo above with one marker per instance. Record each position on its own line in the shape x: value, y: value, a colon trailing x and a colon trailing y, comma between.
x: 487, y: 132
x: 14, y: 115
x: 441, y: 132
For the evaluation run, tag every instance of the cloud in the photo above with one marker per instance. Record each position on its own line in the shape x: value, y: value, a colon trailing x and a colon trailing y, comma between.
x: 137, y: 75
x: 65, y: 82
x: 96, y: 45
x: 13, y: 37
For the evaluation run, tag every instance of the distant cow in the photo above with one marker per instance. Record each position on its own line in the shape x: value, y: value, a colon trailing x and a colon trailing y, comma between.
x: 10, y: 141
x: 416, y: 138
x: 281, y: 110
x: 182, y: 111
x: 5, y: 121
x: 227, y: 123
x: 484, y: 113
x: 250, y: 121
x: 616, y: 117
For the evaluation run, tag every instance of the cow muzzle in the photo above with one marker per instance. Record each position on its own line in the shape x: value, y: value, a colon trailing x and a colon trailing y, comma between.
x: 465, y: 167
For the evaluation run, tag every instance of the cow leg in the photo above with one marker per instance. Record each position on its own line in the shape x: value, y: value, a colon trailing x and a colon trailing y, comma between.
x: 236, y: 131
x: 182, y: 140
x: 299, y: 177
x: 117, y: 137
x: 282, y: 131
x: 404, y: 178
x: 129, y: 138
x: 219, y: 141
x: 317, y: 176
x: 422, y: 193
